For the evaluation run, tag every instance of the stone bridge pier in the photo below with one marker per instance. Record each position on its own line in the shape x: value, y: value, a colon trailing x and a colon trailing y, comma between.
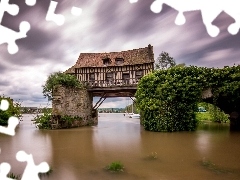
x: 224, y: 103
x: 72, y: 107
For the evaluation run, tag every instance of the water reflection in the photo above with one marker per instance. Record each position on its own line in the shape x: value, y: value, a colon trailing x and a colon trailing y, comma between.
x: 29, y: 139
x: 82, y: 153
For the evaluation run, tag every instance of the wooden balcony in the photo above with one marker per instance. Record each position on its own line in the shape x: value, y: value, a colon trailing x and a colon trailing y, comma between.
x: 114, y: 88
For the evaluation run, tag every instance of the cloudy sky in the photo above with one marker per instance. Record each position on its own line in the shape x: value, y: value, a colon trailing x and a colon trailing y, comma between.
x: 105, y: 26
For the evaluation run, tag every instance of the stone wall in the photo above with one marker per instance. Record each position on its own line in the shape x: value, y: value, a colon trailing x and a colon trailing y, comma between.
x: 72, y: 107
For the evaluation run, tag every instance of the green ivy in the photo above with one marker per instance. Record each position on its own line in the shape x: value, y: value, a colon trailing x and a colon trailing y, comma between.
x: 168, y: 99
x: 59, y: 78
x: 13, y: 110
x: 44, y: 120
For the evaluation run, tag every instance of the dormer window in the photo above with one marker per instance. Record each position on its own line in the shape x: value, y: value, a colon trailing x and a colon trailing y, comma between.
x: 119, y: 61
x: 106, y: 61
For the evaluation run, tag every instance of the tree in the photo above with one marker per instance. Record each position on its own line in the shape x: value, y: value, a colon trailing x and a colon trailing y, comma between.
x: 59, y: 78
x: 164, y: 61
x: 14, y: 109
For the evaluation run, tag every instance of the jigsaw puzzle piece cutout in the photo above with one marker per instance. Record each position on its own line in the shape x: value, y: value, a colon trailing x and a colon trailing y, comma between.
x: 10, y: 130
x: 30, y: 2
x: 133, y: 1
x: 9, y: 36
x: 233, y: 11
x: 4, y: 105
x: 31, y: 171
x: 209, y: 13
x: 208, y: 16
x: 209, y: 9
x: 12, y: 9
x: 12, y: 121
x: 4, y: 170
x: 76, y: 11
x: 51, y: 16
x: 180, y: 19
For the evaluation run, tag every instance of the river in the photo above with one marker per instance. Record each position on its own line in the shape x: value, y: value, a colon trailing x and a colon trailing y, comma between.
x: 210, y: 152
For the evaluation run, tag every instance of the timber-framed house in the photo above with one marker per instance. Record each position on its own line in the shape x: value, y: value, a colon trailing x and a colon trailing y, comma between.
x: 114, y: 69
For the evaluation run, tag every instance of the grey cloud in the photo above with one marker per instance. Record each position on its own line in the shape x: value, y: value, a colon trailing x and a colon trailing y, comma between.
x: 4, y: 83
x: 110, y: 26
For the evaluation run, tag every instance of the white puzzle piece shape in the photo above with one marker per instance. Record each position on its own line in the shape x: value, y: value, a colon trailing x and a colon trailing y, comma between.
x: 30, y: 2
x: 51, y: 16
x: 4, y: 105
x: 10, y: 129
x: 31, y: 171
x: 133, y: 1
x: 9, y: 36
x: 6, y: 7
x: 209, y: 9
x: 76, y: 11
x: 4, y: 170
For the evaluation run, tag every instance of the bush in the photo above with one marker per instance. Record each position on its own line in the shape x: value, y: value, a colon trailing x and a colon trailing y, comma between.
x: 168, y: 99
x: 14, y: 176
x: 115, y: 166
x: 213, y: 113
x: 43, y: 121
x: 59, y: 78
x: 13, y: 110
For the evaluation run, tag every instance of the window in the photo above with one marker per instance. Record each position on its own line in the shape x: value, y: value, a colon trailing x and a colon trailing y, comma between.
x: 139, y: 74
x: 109, y: 76
x: 91, y: 76
x: 106, y: 61
x: 119, y: 61
x: 125, y: 76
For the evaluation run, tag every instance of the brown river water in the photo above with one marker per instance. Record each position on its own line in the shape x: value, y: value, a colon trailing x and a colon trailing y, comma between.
x: 211, y: 152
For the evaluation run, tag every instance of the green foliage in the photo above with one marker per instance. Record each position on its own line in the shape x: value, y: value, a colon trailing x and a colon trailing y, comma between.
x: 46, y: 173
x: 152, y: 156
x: 203, y: 116
x: 68, y: 120
x: 213, y: 113
x: 213, y: 167
x: 168, y: 99
x: 164, y: 61
x: 59, y: 78
x: 43, y: 121
x: 116, y: 166
x: 129, y: 108
x: 14, y: 176
x: 13, y: 110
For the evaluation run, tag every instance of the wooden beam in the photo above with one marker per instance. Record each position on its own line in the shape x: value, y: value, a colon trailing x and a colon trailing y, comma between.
x: 101, y: 103
x: 133, y: 99
x: 103, y: 96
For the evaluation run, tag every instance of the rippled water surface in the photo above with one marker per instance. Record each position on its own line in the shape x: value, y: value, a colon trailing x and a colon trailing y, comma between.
x: 211, y: 152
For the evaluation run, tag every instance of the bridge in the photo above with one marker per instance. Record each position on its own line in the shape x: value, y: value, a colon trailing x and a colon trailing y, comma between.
x: 114, y: 74
x: 233, y: 109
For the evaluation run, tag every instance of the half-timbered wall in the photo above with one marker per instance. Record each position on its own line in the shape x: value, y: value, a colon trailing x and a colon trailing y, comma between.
x: 117, y: 75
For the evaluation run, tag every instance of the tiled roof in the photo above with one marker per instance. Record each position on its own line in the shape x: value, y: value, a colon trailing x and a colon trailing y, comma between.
x: 131, y: 57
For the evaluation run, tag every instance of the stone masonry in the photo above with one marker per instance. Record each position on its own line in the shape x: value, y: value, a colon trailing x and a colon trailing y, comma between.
x: 72, y: 104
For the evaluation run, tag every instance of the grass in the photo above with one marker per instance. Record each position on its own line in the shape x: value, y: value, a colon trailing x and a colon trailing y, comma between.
x: 116, y: 166
x: 213, y: 167
x: 14, y: 176
x: 203, y: 116
x: 152, y: 156
x: 18, y: 177
x: 46, y: 173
